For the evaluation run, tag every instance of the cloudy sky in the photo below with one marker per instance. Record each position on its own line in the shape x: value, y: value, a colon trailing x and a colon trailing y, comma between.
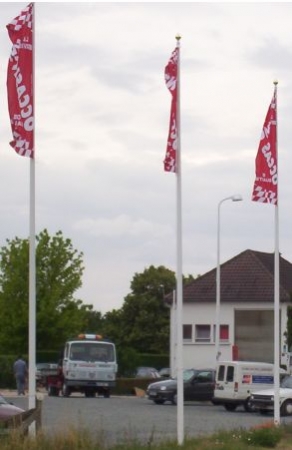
x: 102, y: 116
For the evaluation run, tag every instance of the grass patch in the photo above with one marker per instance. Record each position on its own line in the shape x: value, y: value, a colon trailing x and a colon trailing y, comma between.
x: 256, y: 438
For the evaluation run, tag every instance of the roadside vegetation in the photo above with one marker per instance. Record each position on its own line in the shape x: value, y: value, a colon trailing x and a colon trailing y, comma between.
x: 257, y: 438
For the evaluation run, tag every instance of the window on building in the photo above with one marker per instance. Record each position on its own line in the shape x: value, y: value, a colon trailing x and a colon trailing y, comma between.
x: 187, y: 333
x: 203, y: 333
x: 224, y: 333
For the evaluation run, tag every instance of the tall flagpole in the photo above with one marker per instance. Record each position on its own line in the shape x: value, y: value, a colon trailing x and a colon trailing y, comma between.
x: 32, y: 261
x: 276, y: 290
x: 265, y: 190
x: 179, y: 289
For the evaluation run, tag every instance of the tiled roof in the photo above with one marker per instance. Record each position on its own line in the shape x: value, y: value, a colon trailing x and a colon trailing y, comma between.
x: 248, y: 277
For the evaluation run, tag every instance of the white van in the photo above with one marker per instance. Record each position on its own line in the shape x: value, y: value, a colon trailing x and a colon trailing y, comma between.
x: 235, y: 380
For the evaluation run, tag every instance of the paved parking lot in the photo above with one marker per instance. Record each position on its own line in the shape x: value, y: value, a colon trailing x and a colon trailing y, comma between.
x: 128, y: 418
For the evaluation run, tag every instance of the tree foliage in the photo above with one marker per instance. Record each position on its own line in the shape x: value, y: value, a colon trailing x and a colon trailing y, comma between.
x: 143, y: 321
x: 59, y: 269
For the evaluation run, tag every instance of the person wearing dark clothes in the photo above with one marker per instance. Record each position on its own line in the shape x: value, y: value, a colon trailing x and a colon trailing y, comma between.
x: 20, y: 373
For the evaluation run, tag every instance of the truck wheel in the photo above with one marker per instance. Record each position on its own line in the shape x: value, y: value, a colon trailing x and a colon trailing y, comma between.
x: 107, y: 394
x: 286, y: 408
x: 89, y: 393
x: 230, y: 406
x: 65, y: 390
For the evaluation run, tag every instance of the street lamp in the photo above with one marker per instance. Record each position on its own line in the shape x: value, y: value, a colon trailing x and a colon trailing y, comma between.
x: 234, y: 198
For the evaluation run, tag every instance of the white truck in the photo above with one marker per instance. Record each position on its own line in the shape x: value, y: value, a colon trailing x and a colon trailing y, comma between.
x: 89, y: 365
x: 236, y: 380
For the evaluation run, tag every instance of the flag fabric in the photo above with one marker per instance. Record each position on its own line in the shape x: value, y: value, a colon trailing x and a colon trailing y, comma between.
x: 171, y: 74
x: 266, y: 182
x: 20, y: 82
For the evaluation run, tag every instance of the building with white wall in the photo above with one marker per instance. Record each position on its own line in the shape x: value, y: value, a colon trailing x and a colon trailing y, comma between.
x: 246, y: 311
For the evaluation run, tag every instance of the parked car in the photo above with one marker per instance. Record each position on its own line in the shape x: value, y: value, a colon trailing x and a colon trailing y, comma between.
x: 8, y: 409
x: 165, y: 372
x: 263, y: 400
x: 147, y: 372
x: 198, y: 384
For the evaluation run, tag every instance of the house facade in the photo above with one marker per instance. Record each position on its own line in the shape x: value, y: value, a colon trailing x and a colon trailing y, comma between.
x: 246, y: 312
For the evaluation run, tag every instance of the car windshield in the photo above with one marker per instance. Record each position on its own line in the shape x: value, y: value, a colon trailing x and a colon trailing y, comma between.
x: 3, y: 401
x: 287, y: 382
x: 188, y: 374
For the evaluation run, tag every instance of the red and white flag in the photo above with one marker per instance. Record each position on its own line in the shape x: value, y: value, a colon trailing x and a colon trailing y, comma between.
x: 266, y: 182
x: 20, y: 82
x: 171, y: 74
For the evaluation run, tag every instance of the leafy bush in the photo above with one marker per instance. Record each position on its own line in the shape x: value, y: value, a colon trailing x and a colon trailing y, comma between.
x: 265, y: 435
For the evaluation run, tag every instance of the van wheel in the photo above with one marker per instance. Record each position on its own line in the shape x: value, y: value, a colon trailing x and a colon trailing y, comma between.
x: 248, y: 406
x: 286, y: 408
x: 230, y: 406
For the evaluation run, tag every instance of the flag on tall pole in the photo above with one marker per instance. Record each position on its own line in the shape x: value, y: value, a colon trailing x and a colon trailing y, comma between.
x: 266, y: 182
x: 171, y: 80
x: 20, y: 82
x: 266, y: 191
x: 20, y: 91
x: 172, y: 163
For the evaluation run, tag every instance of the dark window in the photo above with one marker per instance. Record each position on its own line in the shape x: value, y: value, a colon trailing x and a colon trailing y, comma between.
x: 221, y: 372
x: 230, y: 373
x: 187, y: 332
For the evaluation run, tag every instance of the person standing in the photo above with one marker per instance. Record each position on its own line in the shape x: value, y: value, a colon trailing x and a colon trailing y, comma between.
x: 20, y: 373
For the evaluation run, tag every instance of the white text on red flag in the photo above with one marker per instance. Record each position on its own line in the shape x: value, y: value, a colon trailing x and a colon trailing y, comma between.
x: 265, y: 188
x: 20, y: 82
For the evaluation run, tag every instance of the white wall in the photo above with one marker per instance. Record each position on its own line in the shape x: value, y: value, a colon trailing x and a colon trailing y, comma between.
x: 203, y: 354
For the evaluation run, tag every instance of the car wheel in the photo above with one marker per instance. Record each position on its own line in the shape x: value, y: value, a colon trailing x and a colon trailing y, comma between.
x: 248, y: 406
x: 230, y: 406
x: 286, y: 408
x: 158, y: 402
x: 174, y: 399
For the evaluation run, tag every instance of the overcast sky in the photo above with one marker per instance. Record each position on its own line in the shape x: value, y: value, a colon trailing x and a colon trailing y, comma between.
x: 102, y: 116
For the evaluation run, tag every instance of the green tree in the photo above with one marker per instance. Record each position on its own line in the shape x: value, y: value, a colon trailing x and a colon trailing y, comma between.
x: 144, y: 319
x: 59, y: 269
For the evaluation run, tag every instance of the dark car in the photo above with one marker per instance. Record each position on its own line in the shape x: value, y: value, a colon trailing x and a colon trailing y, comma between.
x: 8, y: 409
x: 165, y: 372
x: 199, y: 385
x: 147, y: 372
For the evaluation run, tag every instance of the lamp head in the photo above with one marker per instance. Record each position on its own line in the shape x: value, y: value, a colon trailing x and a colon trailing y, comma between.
x: 236, y: 198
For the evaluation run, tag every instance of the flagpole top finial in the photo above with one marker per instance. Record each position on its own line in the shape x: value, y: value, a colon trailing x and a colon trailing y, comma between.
x: 275, y: 82
x: 178, y: 37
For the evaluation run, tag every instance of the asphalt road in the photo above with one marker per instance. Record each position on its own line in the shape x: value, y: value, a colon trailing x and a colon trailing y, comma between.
x: 120, y: 419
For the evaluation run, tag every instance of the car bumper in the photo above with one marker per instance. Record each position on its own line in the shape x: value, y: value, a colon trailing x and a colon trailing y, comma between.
x: 262, y: 404
x: 160, y: 395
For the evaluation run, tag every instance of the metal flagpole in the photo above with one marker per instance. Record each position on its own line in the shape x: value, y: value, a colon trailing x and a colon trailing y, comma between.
x: 32, y: 271
x: 276, y: 290
x: 179, y: 290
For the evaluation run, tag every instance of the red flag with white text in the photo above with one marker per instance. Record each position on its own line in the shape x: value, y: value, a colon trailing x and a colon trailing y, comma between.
x: 20, y: 82
x: 170, y: 74
x: 266, y: 182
